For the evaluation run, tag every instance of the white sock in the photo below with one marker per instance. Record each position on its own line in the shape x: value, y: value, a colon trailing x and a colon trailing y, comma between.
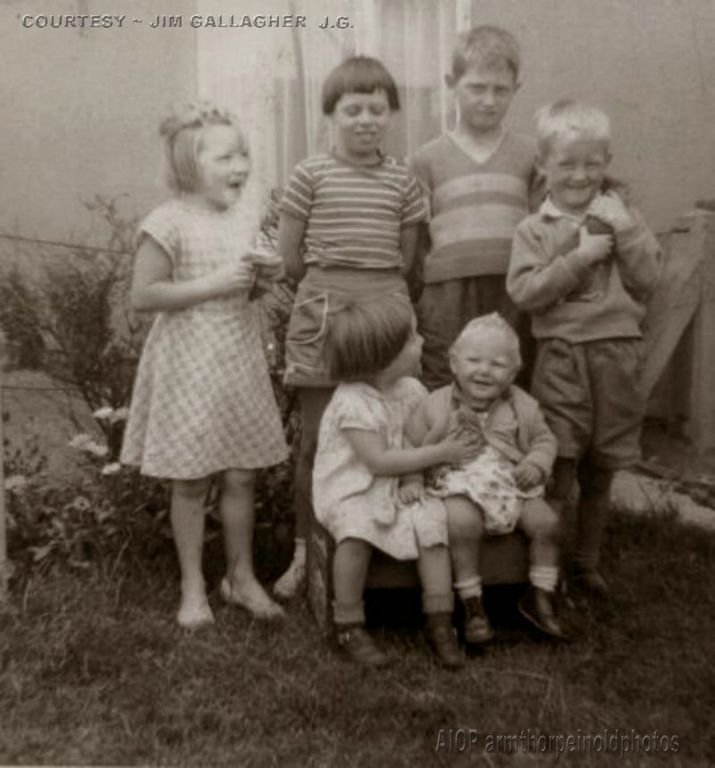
x: 469, y: 587
x: 544, y: 577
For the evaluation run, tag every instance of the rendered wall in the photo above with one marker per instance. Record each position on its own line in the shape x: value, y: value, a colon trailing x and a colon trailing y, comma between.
x: 81, y: 109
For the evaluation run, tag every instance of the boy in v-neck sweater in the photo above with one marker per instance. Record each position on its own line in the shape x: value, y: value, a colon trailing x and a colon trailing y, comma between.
x: 480, y: 180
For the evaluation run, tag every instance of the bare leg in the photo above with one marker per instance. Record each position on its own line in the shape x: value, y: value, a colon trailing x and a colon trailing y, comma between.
x: 187, y: 522
x: 313, y: 402
x: 438, y: 604
x: 466, y: 529
x: 237, y: 513
x: 541, y: 525
x: 435, y: 572
x: 350, y: 565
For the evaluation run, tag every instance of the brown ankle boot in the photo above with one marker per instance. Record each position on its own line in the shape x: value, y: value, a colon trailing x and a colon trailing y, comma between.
x: 477, y: 628
x: 537, y: 607
x: 356, y: 643
x: 590, y: 581
x: 443, y: 639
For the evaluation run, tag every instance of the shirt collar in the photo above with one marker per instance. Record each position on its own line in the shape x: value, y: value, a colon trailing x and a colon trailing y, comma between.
x: 548, y: 210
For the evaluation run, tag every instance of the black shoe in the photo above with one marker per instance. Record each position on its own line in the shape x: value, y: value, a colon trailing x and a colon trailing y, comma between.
x: 443, y: 639
x: 357, y: 644
x: 590, y: 581
x: 537, y: 607
x: 477, y: 628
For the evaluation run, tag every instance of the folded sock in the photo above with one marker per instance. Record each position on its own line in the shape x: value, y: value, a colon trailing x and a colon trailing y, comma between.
x: 471, y: 587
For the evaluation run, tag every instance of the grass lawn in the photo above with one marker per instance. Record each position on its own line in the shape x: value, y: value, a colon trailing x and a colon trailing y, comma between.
x: 94, y: 671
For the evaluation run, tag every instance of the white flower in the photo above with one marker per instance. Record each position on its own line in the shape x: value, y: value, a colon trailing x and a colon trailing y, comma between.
x: 80, y: 441
x: 120, y: 414
x: 15, y: 482
x: 105, y: 412
x: 80, y: 503
x: 96, y: 449
x: 112, y: 469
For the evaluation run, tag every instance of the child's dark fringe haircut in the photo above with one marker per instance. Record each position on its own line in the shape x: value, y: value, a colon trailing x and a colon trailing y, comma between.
x: 364, y: 337
x: 359, y: 74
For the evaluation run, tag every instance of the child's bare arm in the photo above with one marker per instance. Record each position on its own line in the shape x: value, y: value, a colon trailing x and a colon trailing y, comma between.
x: 290, y: 239
x: 537, y: 279
x: 372, y: 450
x: 154, y: 290
x: 409, y: 237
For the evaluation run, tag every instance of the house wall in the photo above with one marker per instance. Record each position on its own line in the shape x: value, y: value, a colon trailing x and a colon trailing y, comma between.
x: 81, y: 110
x: 81, y: 107
x: 649, y: 63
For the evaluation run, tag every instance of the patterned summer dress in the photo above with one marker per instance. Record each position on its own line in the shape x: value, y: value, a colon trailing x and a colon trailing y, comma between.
x: 351, y: 502
x: 488, y: 480
x: 203, y: 400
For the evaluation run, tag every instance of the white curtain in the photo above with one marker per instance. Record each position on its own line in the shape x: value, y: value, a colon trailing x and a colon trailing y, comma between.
x: 272, y: 77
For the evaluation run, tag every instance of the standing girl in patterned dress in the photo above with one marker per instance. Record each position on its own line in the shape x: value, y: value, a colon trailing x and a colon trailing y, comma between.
x: 202, y: 401
x: 348, y: 228
x: 373, y: 349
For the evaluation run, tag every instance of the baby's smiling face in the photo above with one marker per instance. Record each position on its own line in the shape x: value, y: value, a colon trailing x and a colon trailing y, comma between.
x: 484, y: 366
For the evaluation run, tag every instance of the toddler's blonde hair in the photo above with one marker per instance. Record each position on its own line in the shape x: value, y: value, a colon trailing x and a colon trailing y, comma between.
x: 567, y: 119
x: 181, y: 133
x: 492, y: 325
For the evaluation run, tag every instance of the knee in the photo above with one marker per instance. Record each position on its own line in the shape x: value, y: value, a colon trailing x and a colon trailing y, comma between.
x: 191, y: 490
x: 464, y: 521
x: 238, y: 480
x: 539, y: 521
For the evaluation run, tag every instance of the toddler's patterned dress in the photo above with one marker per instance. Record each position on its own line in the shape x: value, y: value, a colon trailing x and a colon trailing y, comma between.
x: 203, y: 400
x: 488, y: 480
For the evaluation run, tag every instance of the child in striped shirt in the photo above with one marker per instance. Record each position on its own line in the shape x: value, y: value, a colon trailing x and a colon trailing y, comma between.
x: 347, y: 231
x: 480, y: 179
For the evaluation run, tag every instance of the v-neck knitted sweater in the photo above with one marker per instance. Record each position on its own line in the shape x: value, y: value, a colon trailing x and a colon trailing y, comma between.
x: 474, y: 206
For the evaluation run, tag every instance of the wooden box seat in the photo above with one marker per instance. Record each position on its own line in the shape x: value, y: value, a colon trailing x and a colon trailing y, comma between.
x: 504, y: 560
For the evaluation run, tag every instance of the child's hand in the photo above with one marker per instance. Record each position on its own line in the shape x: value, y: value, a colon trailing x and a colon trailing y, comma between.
x: 232, y: 278
x: 527, y: 475
x: 594, y: 248
x: 610, y: 209
x: 462, y: 450
x: 411, y: 490
x: 264, y: 259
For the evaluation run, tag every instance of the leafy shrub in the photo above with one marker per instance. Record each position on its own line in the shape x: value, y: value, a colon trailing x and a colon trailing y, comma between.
x: 69, y: 317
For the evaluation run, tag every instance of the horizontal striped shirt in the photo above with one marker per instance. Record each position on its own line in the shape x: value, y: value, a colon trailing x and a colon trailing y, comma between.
x: 474, y: 206
x: 353, y: 213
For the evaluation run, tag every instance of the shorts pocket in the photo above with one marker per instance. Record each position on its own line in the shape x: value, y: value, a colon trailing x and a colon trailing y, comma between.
x: 308, y: 320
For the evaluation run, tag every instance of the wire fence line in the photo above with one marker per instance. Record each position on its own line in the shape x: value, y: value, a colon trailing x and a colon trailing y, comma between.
x: 60, y: 244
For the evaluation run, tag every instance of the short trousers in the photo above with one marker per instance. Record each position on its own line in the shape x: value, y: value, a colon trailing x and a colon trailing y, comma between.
x: 446, y: 307
x: 592, y: 398
x: 320, y: 293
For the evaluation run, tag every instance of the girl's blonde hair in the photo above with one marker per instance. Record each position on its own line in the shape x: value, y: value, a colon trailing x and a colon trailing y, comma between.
x: 567, y: 119
x: 364, y: 337
x: 181, y: 133
x: 489, y: 326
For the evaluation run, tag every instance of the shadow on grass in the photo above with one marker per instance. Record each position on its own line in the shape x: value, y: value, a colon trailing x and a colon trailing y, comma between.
x: 93, y: 670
